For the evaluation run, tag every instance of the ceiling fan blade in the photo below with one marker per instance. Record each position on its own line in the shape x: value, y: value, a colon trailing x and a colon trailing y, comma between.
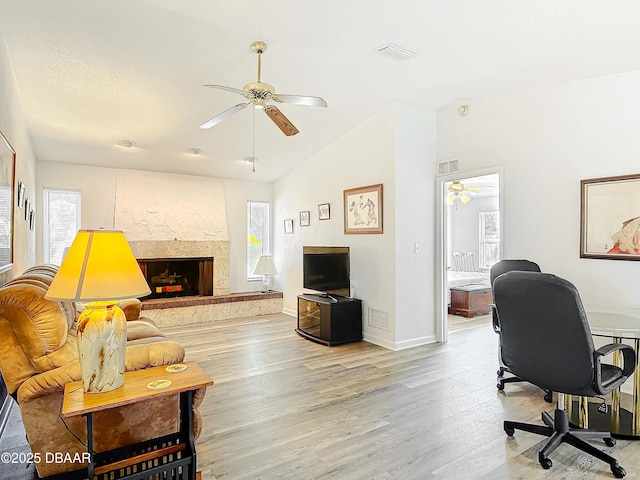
x: 228, y: 89
x: 300, y: 100
x: 280, y: 120
x: 221, y: 116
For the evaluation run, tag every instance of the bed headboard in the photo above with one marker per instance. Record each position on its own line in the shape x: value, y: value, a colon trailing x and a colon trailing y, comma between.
x: 464, y: 261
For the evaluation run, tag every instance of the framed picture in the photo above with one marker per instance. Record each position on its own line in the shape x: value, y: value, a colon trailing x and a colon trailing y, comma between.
x: 610, y: 218
x: 363, y: 209
x: 324, y: 213
x: 305, y: 218
x: 288, y: 225
x: 32, y: 219
x: 27, y: 208
x: 21, y: 189
x: 7, y: 189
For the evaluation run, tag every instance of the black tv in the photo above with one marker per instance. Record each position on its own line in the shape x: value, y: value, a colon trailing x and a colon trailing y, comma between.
x: 326, y: 270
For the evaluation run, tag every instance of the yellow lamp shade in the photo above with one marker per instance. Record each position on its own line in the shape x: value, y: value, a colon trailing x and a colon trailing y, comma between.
x: 98, y: 266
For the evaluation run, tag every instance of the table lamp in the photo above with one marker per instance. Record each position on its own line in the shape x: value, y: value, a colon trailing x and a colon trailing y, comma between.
x: 266, y: 268
x: 100, y: 269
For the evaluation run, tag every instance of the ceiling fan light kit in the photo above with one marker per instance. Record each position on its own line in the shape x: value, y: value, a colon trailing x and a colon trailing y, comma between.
x: 259, y: 94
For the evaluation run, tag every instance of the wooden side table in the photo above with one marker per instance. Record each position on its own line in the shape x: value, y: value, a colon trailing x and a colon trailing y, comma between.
x: 470, y: 300
x: 184, y: 383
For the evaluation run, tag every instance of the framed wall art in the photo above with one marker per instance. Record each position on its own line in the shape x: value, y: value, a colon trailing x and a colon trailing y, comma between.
x: 305, y: 218
x: 288, y: 225
x: 7, y: 189
x: 21, y: 190
x: 610, y: 218
x: 324, y: 211
x: 363, y: 209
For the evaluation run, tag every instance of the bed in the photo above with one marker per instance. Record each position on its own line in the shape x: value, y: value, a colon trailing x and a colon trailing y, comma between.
x: 463, y: 272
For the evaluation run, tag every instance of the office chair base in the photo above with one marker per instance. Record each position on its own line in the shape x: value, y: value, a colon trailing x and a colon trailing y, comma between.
x: 558, y: 430
x: 548, y: 394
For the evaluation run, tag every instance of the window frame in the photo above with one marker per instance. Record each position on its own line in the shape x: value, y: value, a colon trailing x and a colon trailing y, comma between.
x: 265, y: 240
x: 46, y: 240
x: 487, y: 240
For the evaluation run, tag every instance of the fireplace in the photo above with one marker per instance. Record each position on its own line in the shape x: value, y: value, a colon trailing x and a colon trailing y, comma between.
x: 178, y: 277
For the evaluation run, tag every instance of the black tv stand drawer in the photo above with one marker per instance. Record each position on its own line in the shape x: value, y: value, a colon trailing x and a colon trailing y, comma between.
x: 330, y: 320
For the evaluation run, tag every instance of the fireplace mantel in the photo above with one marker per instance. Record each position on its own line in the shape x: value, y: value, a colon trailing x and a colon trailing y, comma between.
x: 218, y: 249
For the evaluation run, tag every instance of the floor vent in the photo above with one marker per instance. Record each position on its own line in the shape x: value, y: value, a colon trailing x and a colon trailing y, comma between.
x: 378, y: 318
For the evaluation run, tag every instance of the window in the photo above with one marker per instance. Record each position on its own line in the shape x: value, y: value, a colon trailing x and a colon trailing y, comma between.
x: 257, y: 235
x: 489, y: 239
x: 61, y: 222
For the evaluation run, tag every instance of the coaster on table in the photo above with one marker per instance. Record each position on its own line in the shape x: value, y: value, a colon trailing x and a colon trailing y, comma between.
x: 159, y: 384
x: 176, y: 367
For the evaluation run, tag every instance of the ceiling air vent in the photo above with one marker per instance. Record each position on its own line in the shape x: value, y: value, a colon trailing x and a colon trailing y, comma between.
x: 396, y: 52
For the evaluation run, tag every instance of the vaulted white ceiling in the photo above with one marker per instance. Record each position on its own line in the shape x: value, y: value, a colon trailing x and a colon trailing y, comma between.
x: 91, y: 73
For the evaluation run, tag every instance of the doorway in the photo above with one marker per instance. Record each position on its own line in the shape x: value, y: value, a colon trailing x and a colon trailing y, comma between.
x: 469, y: 206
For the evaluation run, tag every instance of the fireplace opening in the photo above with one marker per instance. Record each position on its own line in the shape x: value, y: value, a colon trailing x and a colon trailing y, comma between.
x: 178, y: 277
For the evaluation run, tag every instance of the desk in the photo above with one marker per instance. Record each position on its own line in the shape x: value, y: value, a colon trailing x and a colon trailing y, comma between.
x: 619, y: 421
x: 181, y: 454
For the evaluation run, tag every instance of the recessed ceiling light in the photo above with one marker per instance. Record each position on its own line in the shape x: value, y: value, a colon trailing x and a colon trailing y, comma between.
x: 194, y: 151
x: 126, y: 143
x: 395, y: 51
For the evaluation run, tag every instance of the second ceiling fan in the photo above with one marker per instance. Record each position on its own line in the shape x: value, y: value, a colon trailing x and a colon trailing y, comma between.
x: 259, y: 94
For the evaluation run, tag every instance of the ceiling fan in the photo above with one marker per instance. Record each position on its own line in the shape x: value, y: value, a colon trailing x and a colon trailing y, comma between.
x: 460, y: 191
x: 259, y: 94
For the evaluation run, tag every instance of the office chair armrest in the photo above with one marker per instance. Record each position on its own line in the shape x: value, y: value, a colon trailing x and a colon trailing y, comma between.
x: 494, y: 318
x: 628, y: 359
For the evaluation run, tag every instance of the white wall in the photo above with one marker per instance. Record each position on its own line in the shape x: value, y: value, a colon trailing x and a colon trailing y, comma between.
x: 362, y: 157
x: 14, y: 129
x: 396, y: 144
x: 415, y: 138
x: 548, y: 139
x: 98, y: 186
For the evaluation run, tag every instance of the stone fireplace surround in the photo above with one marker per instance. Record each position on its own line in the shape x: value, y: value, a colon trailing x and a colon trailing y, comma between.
x: 190, y: 310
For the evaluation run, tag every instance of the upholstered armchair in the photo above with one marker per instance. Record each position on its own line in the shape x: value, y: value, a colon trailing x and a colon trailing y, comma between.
x: 38, y: 357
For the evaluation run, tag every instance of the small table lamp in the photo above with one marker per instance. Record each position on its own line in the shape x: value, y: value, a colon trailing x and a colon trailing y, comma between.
x: 266, y: 268
x: 100, y: 268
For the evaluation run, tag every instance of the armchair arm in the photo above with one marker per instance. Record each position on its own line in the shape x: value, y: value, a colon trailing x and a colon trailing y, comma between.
x: 628, y: 363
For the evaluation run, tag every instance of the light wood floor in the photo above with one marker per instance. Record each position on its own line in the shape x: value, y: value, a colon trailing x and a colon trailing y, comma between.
x: 286, y: 408
x: 283, y: 407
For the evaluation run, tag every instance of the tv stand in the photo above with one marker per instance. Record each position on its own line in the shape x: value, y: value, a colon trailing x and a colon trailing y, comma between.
x: 329, y: 319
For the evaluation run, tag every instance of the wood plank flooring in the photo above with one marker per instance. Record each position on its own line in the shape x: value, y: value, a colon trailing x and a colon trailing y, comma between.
x: 283, y: 407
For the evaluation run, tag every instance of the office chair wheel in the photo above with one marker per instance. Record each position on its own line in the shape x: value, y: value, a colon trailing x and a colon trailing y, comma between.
x: 618, y: 471
x: 500, y: 373
x: 500, y: 386
x: 548, y: 396
x: 509, y: 431
x: 547, y: 463
x: 610, y: 442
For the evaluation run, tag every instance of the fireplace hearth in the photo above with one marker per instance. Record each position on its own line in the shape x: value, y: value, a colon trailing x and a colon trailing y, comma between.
x: 178, y: 277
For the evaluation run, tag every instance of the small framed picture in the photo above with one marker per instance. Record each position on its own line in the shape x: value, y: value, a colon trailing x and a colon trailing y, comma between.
x: 27, y: 208
x: 324, y: 213
x: 305, y: 218
x: 32, y: 219
x: 21, y: 189
x: 288, y: 225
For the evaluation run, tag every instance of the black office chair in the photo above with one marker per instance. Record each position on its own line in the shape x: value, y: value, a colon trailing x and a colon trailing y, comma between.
x: 498, y: 269
x: 546, y: 341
